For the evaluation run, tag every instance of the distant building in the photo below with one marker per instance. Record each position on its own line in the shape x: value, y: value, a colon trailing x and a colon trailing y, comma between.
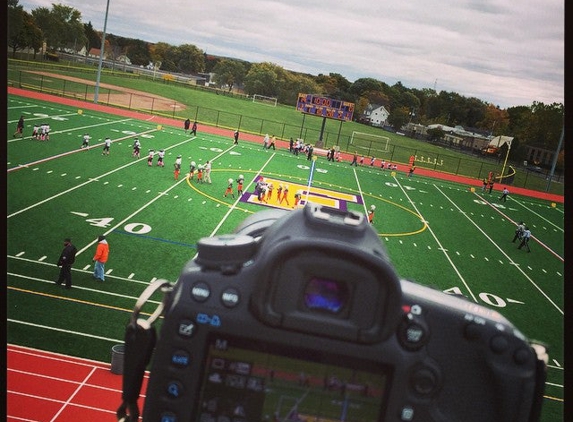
x: 375, y: 115
x: 95, y: 53
x: 460, y: 137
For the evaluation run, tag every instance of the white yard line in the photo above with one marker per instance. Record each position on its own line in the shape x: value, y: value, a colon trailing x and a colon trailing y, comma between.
x: 516, y: 266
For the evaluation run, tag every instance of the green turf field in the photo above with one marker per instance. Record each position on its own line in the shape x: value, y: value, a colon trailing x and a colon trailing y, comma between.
x: 437, y: 233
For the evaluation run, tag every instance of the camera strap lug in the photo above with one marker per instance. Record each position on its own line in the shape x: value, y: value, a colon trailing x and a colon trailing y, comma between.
x: 140, y: 338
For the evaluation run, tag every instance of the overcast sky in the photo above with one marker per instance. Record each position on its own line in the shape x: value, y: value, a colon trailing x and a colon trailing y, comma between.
x: 507, y: 53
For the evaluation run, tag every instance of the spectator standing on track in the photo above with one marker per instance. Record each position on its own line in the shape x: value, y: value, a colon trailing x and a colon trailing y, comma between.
x: 490, y: 183
x: 266, y: 141
x: 85, y: 141
x: 67, y: 258
x: 106, y: 146
x: 362, y: 160
x: 186, y: 124
x: 484, y: 185
x: 100, y: 258
x: 330, y: 155
x: 194, y: 129
x: 411, y: 171
x: 273, y: 142
x: 291, y: 145
x: 236, y: 137
x: 177, y: 167
x: 519, y: 231
x: 372, y: 161
x: 525, y: 239
x: 504, y: 194
x: 354, y: 159
x: 19, y: 127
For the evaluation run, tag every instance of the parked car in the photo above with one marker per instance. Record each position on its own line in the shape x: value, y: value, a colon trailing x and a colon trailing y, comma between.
x: 535, y: 169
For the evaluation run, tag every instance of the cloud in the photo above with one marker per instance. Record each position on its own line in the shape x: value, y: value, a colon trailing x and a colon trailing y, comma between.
x: 507, y: 54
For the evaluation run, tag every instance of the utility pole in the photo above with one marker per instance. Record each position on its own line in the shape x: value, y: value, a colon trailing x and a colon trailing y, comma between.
x: 554, y: 163
x: 96, y: 93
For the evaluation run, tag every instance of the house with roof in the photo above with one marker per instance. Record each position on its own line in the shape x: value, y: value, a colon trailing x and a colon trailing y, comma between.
x: 375, y: 115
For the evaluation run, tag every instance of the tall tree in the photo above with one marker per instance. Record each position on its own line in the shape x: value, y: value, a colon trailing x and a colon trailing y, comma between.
x: 333, y: 85
x: 61, y: 26
x: 189, y: 59
x: 228, y: 73
x: 16, y: 34
x: 292, y: 85
x: 138, y: 52
x: 93, y: 40
x: 264, y: 79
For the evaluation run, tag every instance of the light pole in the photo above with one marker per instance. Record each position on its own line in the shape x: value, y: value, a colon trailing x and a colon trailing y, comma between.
x: 96, y: 93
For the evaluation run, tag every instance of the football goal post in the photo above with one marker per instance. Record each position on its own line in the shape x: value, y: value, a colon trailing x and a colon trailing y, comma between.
x: 370, y: 142
x: 272, y: 101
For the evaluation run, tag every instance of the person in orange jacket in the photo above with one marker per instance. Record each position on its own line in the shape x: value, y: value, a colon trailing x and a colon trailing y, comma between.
x: 100, y: 258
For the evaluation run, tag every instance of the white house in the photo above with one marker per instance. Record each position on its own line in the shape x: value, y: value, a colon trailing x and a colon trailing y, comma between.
x: 376, y: 115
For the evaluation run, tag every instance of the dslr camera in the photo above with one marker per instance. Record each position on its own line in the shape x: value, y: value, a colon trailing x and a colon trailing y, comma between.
x: 300, y: 316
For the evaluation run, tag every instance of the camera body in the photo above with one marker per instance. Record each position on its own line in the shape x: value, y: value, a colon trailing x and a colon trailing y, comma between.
x: 300, y: 316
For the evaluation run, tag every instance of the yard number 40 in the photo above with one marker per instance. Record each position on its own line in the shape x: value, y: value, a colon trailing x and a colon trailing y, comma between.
x: 135, y: 228
x: 488, y: 298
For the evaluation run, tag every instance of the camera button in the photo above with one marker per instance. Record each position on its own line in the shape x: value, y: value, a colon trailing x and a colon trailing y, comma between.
x: 186, y: 328
x: 180, y: 358
x: 407, y: 414
x: 522, y: 356
x: 200, y: 291
x: 230, y: 297
x: 168, y: 417
x: 175, y: 389
x: 412, y: 335
x: 499, y: 344
x: 424, y: 381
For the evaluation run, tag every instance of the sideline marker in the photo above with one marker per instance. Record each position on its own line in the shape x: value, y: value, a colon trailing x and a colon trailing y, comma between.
x: 80, y: 111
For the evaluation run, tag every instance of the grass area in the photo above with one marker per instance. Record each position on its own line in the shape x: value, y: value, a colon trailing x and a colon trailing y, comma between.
x: 437, y: 233
x: 233, y: 112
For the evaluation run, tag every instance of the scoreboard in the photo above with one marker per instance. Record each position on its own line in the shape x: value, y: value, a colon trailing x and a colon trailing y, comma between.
x: 325, y: 107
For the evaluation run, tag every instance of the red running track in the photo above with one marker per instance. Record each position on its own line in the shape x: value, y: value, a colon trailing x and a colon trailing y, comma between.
x: 49, y: 387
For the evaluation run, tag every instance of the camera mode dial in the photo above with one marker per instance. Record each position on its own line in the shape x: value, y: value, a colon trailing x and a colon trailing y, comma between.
x: 226, y: 253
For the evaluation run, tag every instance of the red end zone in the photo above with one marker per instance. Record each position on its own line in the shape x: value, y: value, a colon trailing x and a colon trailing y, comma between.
x: 44, y: 386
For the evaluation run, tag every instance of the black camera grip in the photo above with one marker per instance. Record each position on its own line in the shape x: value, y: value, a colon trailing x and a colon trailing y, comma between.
x: 140, y: 341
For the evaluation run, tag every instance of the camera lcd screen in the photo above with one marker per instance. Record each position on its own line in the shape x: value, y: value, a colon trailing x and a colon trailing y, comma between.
x: 254, y: 381
x: 326, y: 295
